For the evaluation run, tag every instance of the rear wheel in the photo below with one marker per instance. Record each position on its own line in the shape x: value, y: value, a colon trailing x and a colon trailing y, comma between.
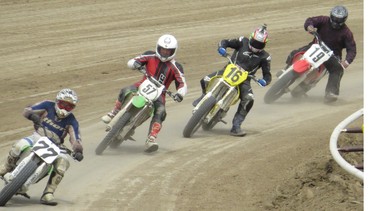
x: 113, y: 134
x: 198, y: 117
x: 280, y: 87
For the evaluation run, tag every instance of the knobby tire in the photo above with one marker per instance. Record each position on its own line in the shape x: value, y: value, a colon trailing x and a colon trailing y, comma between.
x: 199, y: 115
x: 279, y: 87
x: 113, y: 133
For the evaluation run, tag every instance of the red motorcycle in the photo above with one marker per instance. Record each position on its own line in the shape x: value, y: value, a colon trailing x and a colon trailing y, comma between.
x: 306, y: 71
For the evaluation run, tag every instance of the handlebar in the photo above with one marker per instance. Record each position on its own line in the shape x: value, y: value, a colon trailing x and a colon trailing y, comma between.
x: 251, y: 77
x: 156, y: 82
x: 325, y: 47
x: 61, y: 146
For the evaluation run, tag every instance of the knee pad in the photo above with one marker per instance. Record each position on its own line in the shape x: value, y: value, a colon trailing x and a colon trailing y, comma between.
x: 246, y: 104
x: 61, y: 165
x: 163, y: 116
x: 122, y: 95
x: 160, y: 113
x: 21, y: 146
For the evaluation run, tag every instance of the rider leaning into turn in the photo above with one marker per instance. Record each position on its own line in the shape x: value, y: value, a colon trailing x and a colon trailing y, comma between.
x: 56, y: 116
x: 337, y: 36
x: 161, y: 65
x: 248, y: 53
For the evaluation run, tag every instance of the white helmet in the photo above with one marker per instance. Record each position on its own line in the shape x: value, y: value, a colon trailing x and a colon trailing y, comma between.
x: 66, y: 101
x: 166, y: 47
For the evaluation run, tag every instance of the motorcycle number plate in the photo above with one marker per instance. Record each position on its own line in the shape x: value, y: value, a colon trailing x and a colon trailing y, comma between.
x: 46, y: 150
x: 234, y: 75
x: 149, y: 90
x: 316, y: 56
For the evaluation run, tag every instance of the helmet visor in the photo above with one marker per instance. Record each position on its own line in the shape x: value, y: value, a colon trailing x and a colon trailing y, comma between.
x: 164, y: 52
x: 256, y: 44
x: 338, y: 22
x: 67, y: 106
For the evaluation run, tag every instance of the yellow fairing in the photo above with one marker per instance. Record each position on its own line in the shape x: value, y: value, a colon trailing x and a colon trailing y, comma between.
x: 234, y: 75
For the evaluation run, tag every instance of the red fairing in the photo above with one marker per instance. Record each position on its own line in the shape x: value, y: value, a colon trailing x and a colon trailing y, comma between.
x: 301, y: 66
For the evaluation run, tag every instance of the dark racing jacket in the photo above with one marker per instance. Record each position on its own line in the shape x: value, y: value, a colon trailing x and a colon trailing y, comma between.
x: 335, y: 39
x: 248, y: 60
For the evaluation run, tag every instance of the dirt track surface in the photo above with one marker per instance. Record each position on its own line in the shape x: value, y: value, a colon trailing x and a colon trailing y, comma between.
x: 283, y: 163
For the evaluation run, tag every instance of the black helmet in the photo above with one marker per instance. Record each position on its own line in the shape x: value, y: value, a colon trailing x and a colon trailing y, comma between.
x: 338, y: 16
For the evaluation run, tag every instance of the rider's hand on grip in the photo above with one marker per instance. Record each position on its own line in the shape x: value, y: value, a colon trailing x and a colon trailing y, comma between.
x: 311, y: 29
x: 78, y: 156
x: 137, y: 65
x: 262, y: 82
x: 222, y: 51
x: 36, y: 120
x: 178, y: 97
x: 345, y: 64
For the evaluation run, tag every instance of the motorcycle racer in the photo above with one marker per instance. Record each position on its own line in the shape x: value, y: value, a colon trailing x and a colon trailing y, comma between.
x: 336, y: 35
x: 58, y: 119
x: 248, y: 53
x: 161, y: 65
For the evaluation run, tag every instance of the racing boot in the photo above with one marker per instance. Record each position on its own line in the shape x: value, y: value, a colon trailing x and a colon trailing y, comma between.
x: 236, y: 128
x: 47, y: 197
x: 151, y: 145
x: 109, y: 116
x: 9, y: 165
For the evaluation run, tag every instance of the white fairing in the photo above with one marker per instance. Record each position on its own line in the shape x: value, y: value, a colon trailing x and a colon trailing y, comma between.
x: 149, y: 90
x: 43, y: 148
x: 316, y: 56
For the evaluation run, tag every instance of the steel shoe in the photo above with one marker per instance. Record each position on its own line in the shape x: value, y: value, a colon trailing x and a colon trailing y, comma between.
x: 237, y: 132
x: 151, y: 145
x: 108, y: 117
x: 330, y: 97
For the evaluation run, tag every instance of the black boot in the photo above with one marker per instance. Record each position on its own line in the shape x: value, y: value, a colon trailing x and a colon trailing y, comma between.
x: 236, y: 128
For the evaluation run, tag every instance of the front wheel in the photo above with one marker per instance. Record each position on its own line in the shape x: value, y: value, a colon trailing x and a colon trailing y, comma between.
x: 13, y: 186
x: 280, y: 87
x: 198, y: 117
x: 113, y: 134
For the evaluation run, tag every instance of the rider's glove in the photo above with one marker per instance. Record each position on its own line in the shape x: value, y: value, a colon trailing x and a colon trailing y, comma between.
x: 178, y: 97
x: 345, y: 64
x: 78, y: 156
x: 311, y: 29
x: 222, y: 51
x: 137, y: 65
x: 36, y: 120
x: 262, y: 82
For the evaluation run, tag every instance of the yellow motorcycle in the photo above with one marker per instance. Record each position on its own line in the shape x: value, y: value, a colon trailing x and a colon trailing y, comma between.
x: 222, y: 92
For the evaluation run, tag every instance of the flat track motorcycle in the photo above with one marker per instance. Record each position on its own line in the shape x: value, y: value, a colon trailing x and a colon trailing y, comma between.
x: 138, y: 107
x: 306, y: 71
x: 222, y: 92
x: 34, y: 164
